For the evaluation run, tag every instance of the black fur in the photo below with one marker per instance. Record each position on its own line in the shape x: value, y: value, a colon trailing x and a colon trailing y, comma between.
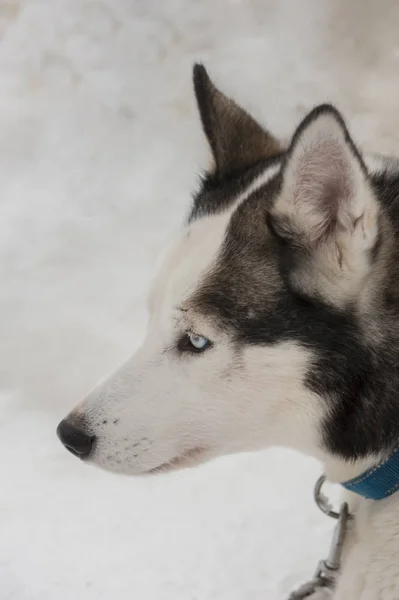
x: 217, y: 194
x: 237, y: 141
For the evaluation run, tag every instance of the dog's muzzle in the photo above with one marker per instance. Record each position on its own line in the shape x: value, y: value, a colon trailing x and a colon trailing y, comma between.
x: 75, y: 439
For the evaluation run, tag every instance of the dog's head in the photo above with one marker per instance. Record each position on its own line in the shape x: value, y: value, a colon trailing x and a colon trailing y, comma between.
x: 270, y: 315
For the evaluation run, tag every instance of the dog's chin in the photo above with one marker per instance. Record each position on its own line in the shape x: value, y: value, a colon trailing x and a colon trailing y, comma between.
x: 189, y: 459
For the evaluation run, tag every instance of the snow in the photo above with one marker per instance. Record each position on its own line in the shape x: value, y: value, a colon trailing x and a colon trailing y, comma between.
x: 100, y: 146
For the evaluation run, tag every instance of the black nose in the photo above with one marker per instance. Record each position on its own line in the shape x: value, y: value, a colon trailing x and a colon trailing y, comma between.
x: 74, y: 439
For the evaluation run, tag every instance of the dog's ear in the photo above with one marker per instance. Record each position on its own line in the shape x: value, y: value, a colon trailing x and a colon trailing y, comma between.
x: 236, y: 139
x: 326, y: 207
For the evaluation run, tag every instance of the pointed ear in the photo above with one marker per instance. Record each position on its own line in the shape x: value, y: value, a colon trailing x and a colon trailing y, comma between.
x: 325, y: 192
x: 326, y: 210
x: 236, y: 139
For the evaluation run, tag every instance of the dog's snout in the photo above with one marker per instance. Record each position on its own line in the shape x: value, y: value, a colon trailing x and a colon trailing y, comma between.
x: 75, y: 439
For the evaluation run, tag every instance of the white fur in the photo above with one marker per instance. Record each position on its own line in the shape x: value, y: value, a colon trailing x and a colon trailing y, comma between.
x: 369, y: 568
x: 376, y: 163
x: 370, y: 565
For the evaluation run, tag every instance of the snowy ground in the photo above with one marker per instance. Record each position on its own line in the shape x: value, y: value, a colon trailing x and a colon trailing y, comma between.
x: 99, y: 148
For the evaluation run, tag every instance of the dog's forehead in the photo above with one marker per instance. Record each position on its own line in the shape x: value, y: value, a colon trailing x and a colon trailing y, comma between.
x: 189, y: 259
x: 198, y: 247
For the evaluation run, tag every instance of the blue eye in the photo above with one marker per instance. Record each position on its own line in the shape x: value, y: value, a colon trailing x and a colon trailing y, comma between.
x: 193, y: 344
x: 198, y: 342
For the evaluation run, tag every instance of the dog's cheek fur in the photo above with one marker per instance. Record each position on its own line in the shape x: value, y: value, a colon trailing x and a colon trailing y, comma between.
x: 227, y: 400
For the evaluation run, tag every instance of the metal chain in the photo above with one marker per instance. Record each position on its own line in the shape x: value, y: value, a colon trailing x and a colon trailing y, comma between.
x: 327, y: 570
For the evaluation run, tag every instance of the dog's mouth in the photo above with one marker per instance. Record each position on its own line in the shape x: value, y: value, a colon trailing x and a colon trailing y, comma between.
x: 182, y: 461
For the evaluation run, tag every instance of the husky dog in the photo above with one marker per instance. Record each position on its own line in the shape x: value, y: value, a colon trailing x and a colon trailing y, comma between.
x: 273, y: 321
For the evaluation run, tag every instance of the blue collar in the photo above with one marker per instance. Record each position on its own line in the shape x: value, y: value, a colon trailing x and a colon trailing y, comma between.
x: 378, y: 482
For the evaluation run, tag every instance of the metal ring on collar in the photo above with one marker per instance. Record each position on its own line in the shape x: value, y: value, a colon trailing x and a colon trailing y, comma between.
x: 322, y: 501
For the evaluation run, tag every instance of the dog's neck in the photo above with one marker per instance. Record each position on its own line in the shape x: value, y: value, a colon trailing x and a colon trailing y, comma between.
x: 306, y: 440
x: 357, y: 475
x: 337, y: 470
